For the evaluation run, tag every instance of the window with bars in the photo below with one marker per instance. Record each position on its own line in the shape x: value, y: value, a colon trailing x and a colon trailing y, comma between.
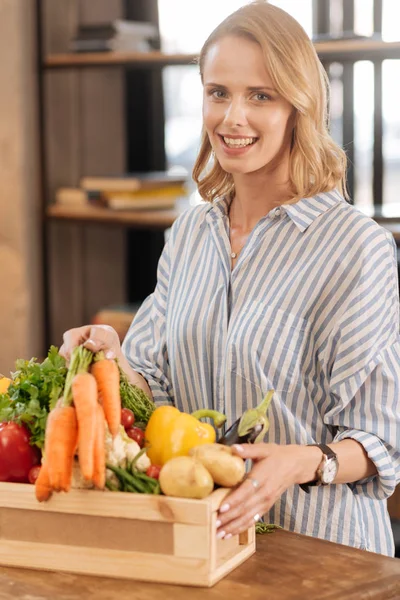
x: 365, y: 93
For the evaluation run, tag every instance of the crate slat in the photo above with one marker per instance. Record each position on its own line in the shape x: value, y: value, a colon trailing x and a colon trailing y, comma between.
x: 109, y: 563
x: 115, y: 534
x: 191, y: 541
x: 117, y: 504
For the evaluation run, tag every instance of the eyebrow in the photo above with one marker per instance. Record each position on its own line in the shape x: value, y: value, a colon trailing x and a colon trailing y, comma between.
x: 250, y: 88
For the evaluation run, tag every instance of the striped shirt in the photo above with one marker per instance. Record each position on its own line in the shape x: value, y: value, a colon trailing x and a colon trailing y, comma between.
x: 311, y: 310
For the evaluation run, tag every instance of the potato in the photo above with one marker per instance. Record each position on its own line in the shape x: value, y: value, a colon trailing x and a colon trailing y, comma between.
x: 185, y: 477
x: 225, y: 468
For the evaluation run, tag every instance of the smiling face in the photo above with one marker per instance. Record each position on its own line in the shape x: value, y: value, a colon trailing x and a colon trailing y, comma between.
x: 248, y: 123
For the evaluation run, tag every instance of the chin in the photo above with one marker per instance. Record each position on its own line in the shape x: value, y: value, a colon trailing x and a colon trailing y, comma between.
x: 239, y: 169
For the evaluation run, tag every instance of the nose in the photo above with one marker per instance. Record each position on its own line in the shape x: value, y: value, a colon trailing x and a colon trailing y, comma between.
x: 235, y: 113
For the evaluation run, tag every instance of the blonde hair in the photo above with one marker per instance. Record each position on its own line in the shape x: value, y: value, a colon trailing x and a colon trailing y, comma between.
x: 317, y: 163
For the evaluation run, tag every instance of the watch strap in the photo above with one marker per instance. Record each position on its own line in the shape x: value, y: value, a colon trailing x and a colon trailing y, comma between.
x: 326, y: 451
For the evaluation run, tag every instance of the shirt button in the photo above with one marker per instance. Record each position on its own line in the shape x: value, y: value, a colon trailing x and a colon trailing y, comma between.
x: 277, y: 213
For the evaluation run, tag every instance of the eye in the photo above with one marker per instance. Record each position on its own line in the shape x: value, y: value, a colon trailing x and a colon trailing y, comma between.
x: 218, y: 94
x: 261, y: 97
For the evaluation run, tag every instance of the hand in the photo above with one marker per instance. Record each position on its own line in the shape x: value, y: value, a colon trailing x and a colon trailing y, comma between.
x: 275, y: 469
x: 92, y: 337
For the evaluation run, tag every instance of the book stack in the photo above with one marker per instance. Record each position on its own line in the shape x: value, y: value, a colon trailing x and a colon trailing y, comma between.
x: 137, y: 191
x: 120, y: 35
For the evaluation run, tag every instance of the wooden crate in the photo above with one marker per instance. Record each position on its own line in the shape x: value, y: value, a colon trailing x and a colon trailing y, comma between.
x: 115, y: 534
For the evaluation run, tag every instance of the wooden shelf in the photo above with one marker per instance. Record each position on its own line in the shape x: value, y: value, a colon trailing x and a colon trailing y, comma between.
x: 327, y: 51
x: 362, y: 49
x: 155, y: 219
x: 149, y: 219
x: 98, y: 59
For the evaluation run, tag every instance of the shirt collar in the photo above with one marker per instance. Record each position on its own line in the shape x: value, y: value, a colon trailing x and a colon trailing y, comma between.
x: 305, y: 211
x: 219, y: 206
x: 302, y: 213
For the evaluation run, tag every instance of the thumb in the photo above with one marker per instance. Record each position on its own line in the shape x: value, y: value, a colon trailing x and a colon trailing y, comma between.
x: 252, y: 451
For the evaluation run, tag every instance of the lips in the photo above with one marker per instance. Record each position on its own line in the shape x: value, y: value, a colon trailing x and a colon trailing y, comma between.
x: 242, y: 140
x: 237, y: 144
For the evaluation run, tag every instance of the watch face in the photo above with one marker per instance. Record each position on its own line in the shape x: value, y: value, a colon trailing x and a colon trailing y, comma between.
x: 329, y: 471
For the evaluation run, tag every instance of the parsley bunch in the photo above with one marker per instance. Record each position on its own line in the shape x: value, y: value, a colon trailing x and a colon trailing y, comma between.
x: 33, y: 392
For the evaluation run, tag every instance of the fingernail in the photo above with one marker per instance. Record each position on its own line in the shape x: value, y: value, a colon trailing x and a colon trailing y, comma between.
x: 238, y: 448
x: 110, y: 354
x: 224, y: 508
x: 218, y: 524
x: 220, y: 535
x: 228, y: 535
x: 90, y: 344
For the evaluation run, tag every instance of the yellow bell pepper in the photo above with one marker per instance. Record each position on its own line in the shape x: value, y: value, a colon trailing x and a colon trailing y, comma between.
x: 171, y: 433
x: 4, y: 384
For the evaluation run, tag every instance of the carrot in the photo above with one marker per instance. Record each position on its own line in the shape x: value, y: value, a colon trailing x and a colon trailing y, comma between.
x: 43, y: 489
x: 84, y: 394
x: 60, y: 444
x: 99, y: 474
x: 106, y: 373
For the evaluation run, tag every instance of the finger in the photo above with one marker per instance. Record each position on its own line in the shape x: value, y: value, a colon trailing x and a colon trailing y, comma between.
x: 237, y: 511
x: 253, y: 451
x: 101, y: 337
x: 94, y: 345
x: 242, y: 496
x: 234, y: 522
x: 242, y: 523
x: 243, y: 515
x: 73, y: 338
x: 97, y: 339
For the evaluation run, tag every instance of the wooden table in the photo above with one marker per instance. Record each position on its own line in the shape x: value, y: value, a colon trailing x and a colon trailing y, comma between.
x: 286, y: 566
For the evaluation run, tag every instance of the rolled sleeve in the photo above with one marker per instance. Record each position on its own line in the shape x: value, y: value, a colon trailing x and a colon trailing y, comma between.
x: 364, y: 379
x: 371, y: 416
x: 383, y: 484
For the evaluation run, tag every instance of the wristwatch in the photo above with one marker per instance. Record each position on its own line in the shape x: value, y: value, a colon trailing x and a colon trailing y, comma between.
x: 327, y: 469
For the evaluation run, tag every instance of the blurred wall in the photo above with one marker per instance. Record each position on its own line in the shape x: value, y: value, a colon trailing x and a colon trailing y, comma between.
x: 20, y: 260
x: 84, y: 113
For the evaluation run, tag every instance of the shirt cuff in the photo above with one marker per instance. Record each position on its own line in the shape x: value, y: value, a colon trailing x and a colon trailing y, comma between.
x: 160, y: 394
x: 383, y: 484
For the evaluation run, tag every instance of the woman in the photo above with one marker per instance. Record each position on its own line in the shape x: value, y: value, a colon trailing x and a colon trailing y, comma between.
x: 276, y: 282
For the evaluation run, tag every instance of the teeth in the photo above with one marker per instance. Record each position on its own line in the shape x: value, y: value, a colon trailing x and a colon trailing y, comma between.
x: 239, y: 143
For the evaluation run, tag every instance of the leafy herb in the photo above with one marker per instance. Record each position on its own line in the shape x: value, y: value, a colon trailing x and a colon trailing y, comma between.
x: 262, y: 527
x: 33, y: 392
x: 135, y: 399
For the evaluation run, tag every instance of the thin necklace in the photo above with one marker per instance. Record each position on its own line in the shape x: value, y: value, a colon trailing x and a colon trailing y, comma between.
x: 233, y: 254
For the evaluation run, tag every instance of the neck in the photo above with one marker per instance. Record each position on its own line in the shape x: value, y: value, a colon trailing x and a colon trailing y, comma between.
x: 253, y: 200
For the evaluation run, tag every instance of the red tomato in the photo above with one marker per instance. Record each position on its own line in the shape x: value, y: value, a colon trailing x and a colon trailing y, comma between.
x: 17, y: 456
x: 34, y: 473
x: 153, y: 471
x: 136, y: 434
x: 127, y: 418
